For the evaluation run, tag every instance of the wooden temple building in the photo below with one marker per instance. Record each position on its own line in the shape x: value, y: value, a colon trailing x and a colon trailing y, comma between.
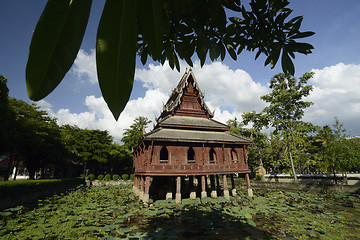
x: 187, y: 143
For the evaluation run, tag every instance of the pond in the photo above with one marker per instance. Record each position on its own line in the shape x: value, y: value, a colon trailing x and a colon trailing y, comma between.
x: 112, y: 212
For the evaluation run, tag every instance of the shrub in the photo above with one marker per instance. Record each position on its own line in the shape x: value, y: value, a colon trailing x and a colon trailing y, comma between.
x: 125, y: 176
x: 115, y: 177
x: 258, y: 177
x: 100, y: 177
x: 91, y: 177
x: 82, y: 175
x: 107, y: 177
x: 132, y: 177
x: 20, y: 192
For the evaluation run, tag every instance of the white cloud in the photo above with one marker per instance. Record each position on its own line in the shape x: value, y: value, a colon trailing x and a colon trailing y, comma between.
x: 228, y: 92
x: 226, y: 87
x: 85, y: 66
x: 45, y: 106
x: 99, y: 116
x: 336, y: 93
x: 223, y: 87
x: 160, y: 77
x: 82, y: 120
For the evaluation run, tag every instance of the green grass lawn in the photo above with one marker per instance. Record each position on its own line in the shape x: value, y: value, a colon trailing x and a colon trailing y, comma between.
x: 112, y: 212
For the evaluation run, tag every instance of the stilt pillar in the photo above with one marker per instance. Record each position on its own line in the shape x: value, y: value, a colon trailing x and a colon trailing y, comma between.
x: 169, y: 188
x: 233, y: 190
x: 192, y: 189
x: 250, y: 192
x: 142, y: 188
x: 203, y: 187
x: 178, y: 191
x: 147, y: 188
x: 135, y: 186
x: 226, y: 190
x: 138, y: 185
x: 212, y: 184
x: 207, y: 183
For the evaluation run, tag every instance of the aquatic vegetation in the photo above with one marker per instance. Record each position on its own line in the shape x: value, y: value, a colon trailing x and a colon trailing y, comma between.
x: 112, y: 212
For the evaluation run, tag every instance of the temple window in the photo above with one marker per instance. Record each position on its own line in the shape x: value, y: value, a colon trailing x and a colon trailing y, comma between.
x: 191, y: 155
x: 234, y: 157
x: 164, y: 155
x: 212, y: 154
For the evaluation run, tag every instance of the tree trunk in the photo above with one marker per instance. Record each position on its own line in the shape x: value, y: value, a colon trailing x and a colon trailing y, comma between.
x: 31, y: 173
x: 84, y: 171
x: 293, y: 139
x: 306, y: 165
x: 291, y: 160
x: 334, y: 175
x: 16, y: 170
x: 292, y: 136
x: 346, y: 179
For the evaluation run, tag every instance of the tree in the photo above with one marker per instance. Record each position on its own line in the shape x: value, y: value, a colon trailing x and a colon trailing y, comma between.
x: 95, y: 151
x: 6, y: 122
x: 133, y: 135
x: 120, y: 159
x: 6, y: 117
x: 286, y: 107
x: 342, y: 155
x: 236, y: 127
x: 302, y: 138
x: 160, y: 29
x: 259, y: 145
x: 339, y: 153
x: 259, y: 139
x: 89, y: 148
x: 36, y: 136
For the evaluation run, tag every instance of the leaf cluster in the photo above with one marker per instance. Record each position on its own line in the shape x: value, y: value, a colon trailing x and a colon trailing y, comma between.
x: 286, y: 104
x: 35, y: 136
x: 113, y: 212
x: 32, y: 136
x: 87, y: 145
x: 134, y: 135
x: 338, y: 153
x: 163, y: 30
x: 284, y: 113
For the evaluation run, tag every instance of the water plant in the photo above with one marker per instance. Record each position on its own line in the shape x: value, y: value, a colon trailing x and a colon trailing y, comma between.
x: 112, y: 212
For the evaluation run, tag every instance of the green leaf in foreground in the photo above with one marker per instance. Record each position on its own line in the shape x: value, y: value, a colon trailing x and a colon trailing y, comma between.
x: 116, y: 52
x: 287, y: 64
x: 251, y: 222
x: 152, y: 22
x: 55, y: 44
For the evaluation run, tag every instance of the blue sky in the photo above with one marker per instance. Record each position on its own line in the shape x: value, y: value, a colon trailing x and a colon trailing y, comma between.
x: 230, y: 87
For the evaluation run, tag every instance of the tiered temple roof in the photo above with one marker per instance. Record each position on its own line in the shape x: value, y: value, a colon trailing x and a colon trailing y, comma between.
x: 187, y: 82
x: 186, y: 117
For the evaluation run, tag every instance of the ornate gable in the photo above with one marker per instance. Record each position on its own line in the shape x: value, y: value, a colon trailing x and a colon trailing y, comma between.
x: 186, y: 99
